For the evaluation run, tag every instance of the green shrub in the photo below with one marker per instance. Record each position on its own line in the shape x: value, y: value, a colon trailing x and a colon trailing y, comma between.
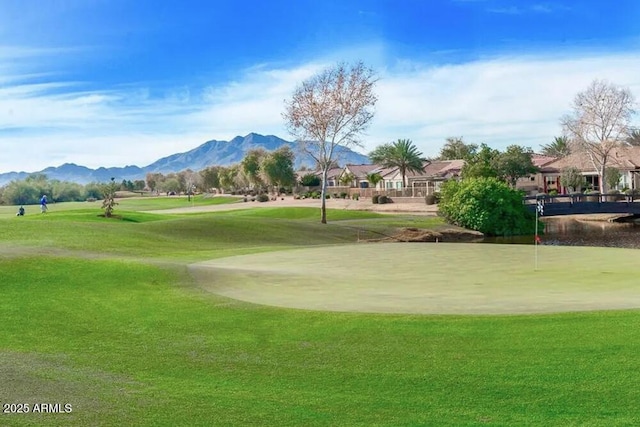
x: 375, y: 198
x: 486, y: 205
x: 310, y: 180
x: 263, y: 197
x: 553, y: 192
x: 430, y: 199
x: 355, y: 196
x: 343, y: 195
x: 382, y: 199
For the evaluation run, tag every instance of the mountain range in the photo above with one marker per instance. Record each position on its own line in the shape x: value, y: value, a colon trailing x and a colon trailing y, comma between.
x: 218, y: 153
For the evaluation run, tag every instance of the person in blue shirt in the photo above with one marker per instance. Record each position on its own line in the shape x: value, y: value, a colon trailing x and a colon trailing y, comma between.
x: 43, y: 203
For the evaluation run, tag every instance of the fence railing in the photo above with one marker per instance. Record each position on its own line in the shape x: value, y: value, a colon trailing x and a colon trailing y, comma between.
x: 577, y: 198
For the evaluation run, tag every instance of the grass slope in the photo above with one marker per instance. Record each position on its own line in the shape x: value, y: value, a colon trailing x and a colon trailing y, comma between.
x: 126, y: 204
x: 132, y: 343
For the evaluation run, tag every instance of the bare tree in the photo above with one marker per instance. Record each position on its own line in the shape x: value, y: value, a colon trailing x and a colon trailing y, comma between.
x: 600, y: 122
x: 331, y: 109
x: 192, y: 180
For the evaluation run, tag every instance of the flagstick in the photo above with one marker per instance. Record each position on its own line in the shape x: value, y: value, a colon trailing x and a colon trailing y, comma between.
x: 535, y: 268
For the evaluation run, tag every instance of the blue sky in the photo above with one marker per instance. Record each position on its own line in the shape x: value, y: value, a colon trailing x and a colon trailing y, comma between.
x: 117, y: 82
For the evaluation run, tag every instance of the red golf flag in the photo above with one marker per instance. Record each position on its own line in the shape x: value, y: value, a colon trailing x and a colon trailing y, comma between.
x: 538, y: 239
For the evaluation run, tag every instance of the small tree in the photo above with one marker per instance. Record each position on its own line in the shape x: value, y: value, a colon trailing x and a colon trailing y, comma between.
x: 456, y: 149
x: 514, y: 163
x: 328, y: 110
x: 612, y: 177
x: 374, y: 178
x: 210, y: 177
x: 572, y: 179
x: 230, y: 177
x: 346, y: 179
x: 310, y: 180
x: 250, y: 165
x: 277, y: 168
x: 109, y: 198
x: 481, y: 164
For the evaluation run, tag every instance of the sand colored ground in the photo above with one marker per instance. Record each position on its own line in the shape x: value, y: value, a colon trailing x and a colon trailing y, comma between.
x: 430, y: 278
x: 417, y: 208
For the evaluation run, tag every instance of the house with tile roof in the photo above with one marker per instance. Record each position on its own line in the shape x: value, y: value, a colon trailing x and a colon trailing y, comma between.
x: 624, y: 158
x: 359, y: 174
x: 333, y: 176
x: 419, y: 184
x: 534, y: 183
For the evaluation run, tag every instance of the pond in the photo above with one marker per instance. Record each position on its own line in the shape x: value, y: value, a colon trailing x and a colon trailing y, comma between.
x: 573, y: 232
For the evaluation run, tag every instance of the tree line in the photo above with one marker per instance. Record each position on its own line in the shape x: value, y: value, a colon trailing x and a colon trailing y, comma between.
x: 259, y: 171
x: 30, y: 190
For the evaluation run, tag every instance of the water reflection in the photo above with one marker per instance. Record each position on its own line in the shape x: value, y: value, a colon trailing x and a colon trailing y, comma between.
x: 572, y: 232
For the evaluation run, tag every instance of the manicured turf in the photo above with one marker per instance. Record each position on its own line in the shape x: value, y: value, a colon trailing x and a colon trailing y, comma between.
x: 125, y: 204
x: 87, y: 320
x: 419, y: 278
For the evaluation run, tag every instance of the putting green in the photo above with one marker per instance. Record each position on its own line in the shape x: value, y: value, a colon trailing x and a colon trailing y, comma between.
x: 435, y: 278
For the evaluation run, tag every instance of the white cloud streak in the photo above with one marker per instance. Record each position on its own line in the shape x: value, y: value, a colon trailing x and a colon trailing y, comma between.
x: 500, y: 101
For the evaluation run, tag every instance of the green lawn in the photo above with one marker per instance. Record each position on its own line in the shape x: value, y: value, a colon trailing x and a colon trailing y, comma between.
x: 102, y: 314
x: 128, y: 204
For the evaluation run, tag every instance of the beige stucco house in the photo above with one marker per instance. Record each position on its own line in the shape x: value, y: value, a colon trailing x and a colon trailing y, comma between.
x: 624, y: 158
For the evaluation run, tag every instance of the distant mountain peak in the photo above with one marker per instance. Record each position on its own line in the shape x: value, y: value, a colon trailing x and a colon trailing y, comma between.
x: 210, y: 153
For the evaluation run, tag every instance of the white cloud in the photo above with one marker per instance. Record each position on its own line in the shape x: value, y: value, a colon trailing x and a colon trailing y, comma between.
x: 500, y: 101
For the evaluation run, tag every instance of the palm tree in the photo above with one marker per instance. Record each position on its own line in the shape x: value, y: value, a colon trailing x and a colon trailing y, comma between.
x: 374, y: 178
x: 558, y: 148
x: 346, y: 179
x: 634, y: 138
x: 401, y: 154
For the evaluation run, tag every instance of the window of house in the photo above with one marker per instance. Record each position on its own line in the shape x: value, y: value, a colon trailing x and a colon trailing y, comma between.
x: 593, y: 182
x: 624, y: 181
x: 552, y: 182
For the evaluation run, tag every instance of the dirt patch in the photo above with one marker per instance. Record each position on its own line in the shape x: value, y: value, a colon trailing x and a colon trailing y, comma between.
x: 412, y: 234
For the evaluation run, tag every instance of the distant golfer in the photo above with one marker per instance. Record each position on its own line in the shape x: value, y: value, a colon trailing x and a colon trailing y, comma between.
x: 43, y: 203
x: 20, y: 211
